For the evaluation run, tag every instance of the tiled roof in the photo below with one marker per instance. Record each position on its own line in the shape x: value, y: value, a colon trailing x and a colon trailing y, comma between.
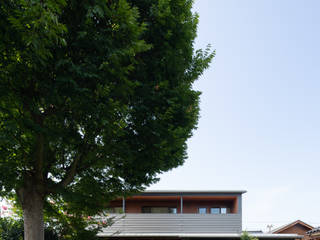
x: 314, y: 230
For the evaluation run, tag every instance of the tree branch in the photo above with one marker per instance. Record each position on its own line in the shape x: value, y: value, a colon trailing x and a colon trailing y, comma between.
x: 71, y: 173
x: 38, y: 167
x: 50, y: 111
x: 73, y: 169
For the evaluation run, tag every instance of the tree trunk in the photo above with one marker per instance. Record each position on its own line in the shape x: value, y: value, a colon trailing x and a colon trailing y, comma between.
x: 32, y: 206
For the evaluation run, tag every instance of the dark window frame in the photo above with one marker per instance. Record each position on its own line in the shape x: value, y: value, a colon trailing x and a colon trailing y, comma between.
x: 227, y: 210
x: 171, y: 210
x: 219, y: 209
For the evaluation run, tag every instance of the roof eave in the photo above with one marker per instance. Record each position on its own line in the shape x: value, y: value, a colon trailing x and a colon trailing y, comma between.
x: 202, y: 235
x: 196, y: 191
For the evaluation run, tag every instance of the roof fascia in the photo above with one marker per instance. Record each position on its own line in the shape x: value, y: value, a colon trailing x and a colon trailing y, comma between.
x: 291, y: 225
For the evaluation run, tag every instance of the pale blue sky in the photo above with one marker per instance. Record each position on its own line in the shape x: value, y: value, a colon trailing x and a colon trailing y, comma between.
x: 260, y: 118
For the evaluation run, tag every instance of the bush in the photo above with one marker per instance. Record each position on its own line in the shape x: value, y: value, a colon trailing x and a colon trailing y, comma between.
x: 12, y: 229
x: 245, y: 236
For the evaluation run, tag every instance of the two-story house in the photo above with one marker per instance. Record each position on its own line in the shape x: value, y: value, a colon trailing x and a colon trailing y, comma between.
x: 179, y: 215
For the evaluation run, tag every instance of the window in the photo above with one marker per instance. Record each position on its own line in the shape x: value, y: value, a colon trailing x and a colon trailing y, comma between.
x: 224, y: 210
x: 219, y: 210
x: 202, y: 210
x: 173, y: 210
x: 159, y: 210
x: 215, y: 210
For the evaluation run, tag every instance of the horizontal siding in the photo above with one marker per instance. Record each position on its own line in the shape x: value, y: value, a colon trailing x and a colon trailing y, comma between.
x: 174, y: 223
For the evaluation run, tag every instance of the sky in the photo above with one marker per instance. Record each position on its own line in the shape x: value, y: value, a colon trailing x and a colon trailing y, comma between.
x: 259, y: 128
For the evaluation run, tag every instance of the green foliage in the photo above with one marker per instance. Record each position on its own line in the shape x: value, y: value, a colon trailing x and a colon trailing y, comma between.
x: 96, y: 97
x: 11, y: 229
x: 74, y: 228
x: 71, y: 226
x: 246, y: 236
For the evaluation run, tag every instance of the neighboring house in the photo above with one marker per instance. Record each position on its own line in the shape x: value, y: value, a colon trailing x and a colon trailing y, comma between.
x: 298, y: 227
x: 180, y: 215
x: 314, y: 234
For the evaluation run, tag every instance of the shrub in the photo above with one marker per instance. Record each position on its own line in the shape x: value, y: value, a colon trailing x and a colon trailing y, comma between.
x: 11, y: 229
x: 246, y: 236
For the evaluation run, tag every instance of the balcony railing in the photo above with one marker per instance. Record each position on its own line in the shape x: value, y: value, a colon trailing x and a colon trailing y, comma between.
x: 173, y: 223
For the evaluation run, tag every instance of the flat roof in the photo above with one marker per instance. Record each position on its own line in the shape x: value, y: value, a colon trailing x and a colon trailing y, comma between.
x: 194, y: 191
x: 275, y: 235
x: 201, y: 235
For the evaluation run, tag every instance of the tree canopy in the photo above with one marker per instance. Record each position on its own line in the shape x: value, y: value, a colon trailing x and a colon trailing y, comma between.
x: 96, y: 98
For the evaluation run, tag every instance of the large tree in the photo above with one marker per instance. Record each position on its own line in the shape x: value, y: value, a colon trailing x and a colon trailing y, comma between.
x: 96, y: 99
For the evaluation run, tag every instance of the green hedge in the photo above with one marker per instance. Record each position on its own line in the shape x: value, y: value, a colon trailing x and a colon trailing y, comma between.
x: 12, y: 229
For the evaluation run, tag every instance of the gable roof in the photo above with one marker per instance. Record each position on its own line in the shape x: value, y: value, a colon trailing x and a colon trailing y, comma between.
x: 298, y: 222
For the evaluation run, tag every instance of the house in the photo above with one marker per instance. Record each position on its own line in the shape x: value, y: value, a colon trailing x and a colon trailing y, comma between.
x: 314, y: 234
x: 180, y: 215
x: 297, y: 227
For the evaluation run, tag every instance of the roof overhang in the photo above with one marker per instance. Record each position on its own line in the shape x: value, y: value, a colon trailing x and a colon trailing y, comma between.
x: 276, y: 236
x: 194, y: 191
x: 190, y: 192
x: 177, y: 194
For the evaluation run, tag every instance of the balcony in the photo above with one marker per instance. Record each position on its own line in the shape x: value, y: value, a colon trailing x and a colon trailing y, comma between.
x: 135, y: 223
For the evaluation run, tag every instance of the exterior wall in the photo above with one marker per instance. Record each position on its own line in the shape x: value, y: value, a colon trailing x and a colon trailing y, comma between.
x: 133, y: 206
x: 189, y: 205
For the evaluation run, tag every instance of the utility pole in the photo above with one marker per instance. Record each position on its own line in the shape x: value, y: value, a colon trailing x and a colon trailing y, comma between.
x: 269, y: 226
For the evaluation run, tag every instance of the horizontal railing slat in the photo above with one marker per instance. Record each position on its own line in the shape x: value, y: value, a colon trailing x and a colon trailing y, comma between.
x: 173, y: 223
